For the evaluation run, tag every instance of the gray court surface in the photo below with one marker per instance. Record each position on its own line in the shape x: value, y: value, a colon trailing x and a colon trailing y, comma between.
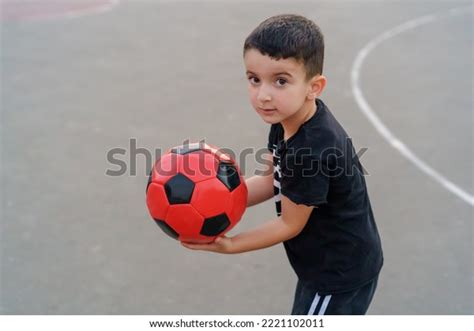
x: 76, y: 241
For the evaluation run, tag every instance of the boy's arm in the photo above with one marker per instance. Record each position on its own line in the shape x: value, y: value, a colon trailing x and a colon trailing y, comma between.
x: 260, y: 188
x: 288, y: 225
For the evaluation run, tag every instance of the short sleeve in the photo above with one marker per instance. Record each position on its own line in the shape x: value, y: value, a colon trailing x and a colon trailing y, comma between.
x: 305, y: 179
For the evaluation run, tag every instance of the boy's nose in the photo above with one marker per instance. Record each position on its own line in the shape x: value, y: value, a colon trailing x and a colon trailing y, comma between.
x: 263, y: 95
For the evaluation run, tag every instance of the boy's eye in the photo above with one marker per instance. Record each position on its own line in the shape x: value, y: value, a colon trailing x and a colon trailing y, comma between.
x: 281, y: 81
x: 254, y: 80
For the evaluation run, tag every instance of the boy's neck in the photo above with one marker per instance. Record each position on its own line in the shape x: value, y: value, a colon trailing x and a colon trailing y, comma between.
x: 293, y: 123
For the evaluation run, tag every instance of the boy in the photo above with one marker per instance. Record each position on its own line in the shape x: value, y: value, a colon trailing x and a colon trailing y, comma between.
x: 325, y: 219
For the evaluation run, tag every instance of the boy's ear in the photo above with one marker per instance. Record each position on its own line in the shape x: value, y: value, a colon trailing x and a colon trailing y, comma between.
x: 316, y: 86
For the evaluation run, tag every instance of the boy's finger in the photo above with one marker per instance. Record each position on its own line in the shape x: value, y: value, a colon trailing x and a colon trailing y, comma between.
x: 186, y: 245
x: 204, y: 247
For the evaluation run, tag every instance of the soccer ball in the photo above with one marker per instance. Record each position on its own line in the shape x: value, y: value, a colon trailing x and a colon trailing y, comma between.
x: 196, y: 193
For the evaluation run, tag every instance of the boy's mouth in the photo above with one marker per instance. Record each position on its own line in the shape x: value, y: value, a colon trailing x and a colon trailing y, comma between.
x: 267, y: 110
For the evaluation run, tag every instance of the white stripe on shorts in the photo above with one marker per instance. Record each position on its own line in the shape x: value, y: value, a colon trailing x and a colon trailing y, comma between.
x: 314, y: 304
x: 324, y: 305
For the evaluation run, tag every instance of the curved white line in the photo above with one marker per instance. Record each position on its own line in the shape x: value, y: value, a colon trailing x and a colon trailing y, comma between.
x: 375, y: 120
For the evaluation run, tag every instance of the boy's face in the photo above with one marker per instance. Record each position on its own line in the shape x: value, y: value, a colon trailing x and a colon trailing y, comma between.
x: 277, y: 89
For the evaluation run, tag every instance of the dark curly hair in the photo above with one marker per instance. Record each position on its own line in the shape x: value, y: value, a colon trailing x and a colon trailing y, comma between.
x: 289, y: 36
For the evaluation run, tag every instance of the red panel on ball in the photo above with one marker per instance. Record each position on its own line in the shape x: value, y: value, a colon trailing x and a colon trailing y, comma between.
x: 210, y: 197
x: 156, y: 201
x: 199, y: 166
x: 221, y: 156
x: 239, y: 202
x: 184, y: 219
x: 166, y: 167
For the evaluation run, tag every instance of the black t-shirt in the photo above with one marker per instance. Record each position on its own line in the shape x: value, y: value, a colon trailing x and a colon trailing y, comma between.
x: 339, y: 248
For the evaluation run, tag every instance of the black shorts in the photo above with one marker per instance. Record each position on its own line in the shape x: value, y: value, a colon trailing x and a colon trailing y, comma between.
x: 355, y: 302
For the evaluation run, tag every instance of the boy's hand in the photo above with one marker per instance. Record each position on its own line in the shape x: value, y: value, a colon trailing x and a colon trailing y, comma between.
x: 220, y: 245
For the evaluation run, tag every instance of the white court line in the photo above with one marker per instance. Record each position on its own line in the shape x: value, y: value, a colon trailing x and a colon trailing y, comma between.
x: 99, y: 9
x: 69, y: 14
x: 375, y: 120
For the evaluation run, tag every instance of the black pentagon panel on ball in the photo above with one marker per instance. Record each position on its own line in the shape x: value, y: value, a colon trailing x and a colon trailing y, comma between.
x: 179, y: 189
x: 187, y: 148
x: 228, y: 175
x: 215, y: 225
x: 166, y: 228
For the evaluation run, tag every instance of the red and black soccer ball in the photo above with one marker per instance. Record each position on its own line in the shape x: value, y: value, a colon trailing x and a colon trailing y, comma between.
x: 196, y: 193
